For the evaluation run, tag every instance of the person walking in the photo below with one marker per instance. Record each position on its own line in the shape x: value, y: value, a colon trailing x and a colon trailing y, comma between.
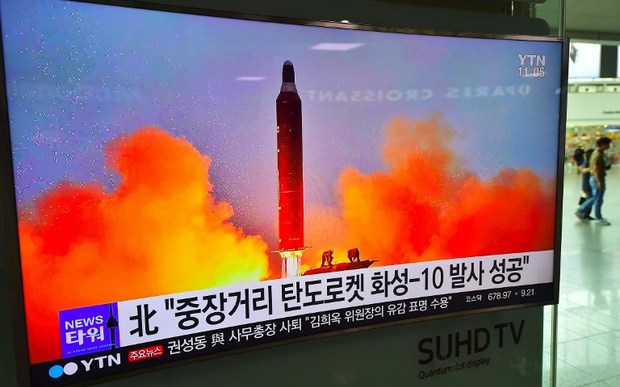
x: 586, y: 190
x: 579, y: 157
x: 598, y: 171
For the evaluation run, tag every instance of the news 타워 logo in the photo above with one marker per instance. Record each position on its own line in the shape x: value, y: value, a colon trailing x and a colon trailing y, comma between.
x: 88, y: 330
x: 95, y: 363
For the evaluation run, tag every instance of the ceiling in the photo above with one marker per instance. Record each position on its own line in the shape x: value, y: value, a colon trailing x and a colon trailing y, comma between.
x: 590, y: 20
x: 597, y: 20
x: 586, y: 20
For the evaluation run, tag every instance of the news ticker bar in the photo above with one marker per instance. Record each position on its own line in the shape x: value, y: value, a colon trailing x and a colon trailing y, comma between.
x: 144, y: 355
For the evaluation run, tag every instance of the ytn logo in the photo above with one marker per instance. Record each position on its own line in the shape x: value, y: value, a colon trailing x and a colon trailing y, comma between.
x: 532, y: 60
x: 71, y: 368
x: 58, y: 370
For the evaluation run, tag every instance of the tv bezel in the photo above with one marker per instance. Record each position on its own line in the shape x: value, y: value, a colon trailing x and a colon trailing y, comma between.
x: 9, y: 236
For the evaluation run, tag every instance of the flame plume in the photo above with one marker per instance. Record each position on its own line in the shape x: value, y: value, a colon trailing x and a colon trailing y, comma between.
x: 427, y: 206
x: 161, y: 231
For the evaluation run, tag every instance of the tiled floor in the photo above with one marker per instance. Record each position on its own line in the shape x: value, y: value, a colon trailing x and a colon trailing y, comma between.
x: 588, y: 336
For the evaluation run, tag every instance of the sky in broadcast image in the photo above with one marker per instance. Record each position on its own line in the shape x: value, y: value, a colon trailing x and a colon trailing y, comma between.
x: 128, y: 126
x: 85, y: 73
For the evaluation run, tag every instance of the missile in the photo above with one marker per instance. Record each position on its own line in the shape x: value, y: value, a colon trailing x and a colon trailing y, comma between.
x: 290, y: 164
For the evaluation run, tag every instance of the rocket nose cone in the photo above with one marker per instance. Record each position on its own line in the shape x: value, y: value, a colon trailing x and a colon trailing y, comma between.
x: 288, y: 72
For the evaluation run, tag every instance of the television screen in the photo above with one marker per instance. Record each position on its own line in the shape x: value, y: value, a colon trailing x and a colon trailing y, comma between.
x: 191, y: 184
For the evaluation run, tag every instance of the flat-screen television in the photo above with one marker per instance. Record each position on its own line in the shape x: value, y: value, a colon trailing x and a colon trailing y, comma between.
x: 191, y: 183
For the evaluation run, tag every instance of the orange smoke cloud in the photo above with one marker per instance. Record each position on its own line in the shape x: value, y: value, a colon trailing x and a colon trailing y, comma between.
x: 426, y: 206
x: 161, y: 231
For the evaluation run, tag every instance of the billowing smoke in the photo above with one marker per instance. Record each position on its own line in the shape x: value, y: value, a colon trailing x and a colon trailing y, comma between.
x: 427, y: 206
x: 160, y: 231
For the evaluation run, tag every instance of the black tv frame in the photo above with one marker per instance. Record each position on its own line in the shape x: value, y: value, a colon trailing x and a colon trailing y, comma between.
x: 9, y: 238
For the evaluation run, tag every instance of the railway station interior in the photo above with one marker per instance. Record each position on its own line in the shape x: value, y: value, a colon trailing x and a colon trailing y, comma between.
x: 588, y: 322
x: 585, y: 325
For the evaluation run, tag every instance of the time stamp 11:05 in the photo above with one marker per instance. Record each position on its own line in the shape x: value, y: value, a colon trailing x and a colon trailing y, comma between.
x: 531, y: 66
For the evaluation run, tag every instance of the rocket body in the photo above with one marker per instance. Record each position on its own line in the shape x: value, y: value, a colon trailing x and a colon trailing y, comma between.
x: 290, y: 163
